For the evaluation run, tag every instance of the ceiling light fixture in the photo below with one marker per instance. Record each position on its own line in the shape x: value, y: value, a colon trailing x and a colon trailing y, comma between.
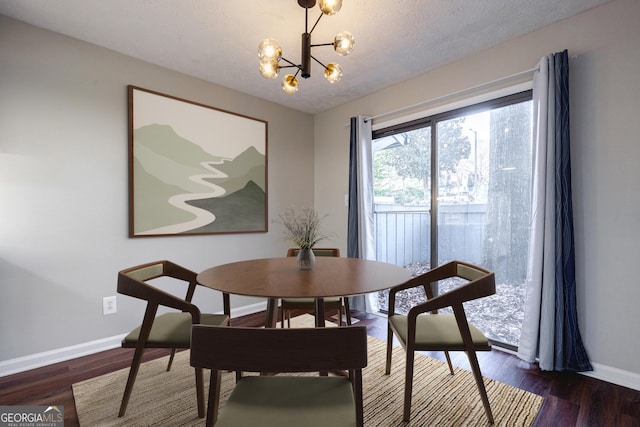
x: 270, y: 52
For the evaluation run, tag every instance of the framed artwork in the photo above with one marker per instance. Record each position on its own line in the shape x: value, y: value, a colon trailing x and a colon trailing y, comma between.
x: 194, y: 169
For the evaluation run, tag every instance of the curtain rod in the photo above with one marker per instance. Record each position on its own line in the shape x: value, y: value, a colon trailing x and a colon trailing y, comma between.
x: 454, y: 94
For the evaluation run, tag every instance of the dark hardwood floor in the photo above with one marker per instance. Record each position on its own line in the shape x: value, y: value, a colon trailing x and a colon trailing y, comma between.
x: 570, y: 399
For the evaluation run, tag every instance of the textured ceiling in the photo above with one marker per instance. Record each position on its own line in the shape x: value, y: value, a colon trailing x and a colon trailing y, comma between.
x: 217, y: 40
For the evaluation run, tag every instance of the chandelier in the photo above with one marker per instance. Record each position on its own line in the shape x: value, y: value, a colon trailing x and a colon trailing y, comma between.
x: 270, y: 52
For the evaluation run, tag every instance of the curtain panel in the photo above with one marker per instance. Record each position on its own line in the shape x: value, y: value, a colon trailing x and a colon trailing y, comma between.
x: 360, y: 227
x: 550, y: 330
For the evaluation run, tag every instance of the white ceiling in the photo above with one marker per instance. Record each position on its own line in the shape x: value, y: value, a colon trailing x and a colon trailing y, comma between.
x: 217, y: 40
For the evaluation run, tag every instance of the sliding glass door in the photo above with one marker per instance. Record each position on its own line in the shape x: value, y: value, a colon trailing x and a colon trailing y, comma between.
x: 456, y: 186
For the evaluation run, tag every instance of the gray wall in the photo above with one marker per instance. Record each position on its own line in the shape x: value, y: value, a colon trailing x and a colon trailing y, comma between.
x: 63, y: 169
x: 63, y: 188
x: 605, y: 132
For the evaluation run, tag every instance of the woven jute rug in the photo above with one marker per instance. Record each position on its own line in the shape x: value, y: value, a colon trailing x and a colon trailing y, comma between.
x: 163, y: 398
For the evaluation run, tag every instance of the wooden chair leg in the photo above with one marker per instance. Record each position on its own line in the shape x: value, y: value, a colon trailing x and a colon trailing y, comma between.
x: 475, y: 368
x: 214, y: 398
x: 281, y: 317
x: 200, y: 392
x: 387, y: 368
x: 408, y: 385
x: 173, y: 354
x: 357, y: 391
x: 446, y: 355
x: 347, y: 309
x: 133, y: 373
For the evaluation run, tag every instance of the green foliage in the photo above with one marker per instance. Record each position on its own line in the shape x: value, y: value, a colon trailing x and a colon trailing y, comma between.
x: 403, y: 168
x: 453, y: 146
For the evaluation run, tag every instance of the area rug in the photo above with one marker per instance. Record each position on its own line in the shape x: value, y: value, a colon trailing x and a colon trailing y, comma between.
x: 163, y: 398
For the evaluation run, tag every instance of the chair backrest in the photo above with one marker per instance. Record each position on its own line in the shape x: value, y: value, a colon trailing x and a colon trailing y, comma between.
x: 480, y: 283
x: 133, y: 282
x: 316, y: 251
x: 470, y: 271
x: 279, y: 350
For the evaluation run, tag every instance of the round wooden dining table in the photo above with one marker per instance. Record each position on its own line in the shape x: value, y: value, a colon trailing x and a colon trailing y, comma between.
x: 275, y: 278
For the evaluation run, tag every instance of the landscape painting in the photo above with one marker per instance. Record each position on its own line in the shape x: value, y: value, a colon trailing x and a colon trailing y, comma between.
x: 194, y: 169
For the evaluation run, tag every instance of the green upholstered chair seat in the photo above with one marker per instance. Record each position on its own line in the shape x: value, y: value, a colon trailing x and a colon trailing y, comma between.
x: 289, y: 401
x: 437, y: 331
x: 172, y: 330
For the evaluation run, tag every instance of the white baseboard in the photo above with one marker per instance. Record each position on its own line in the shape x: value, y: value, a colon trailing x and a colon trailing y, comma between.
x: 614, y: 375
x: 602, y: 372
x: 38, y: 360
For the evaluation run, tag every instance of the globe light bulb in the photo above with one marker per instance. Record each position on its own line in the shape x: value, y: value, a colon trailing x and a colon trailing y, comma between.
x: 290, y: 84
x: 330, y: 7
x: 269, y: 49
x: 269, y: 69
x: 333, y: 73
x: 343, y: 43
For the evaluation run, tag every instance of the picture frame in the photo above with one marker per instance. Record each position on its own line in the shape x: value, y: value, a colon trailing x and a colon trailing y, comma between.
x: 194, y: 169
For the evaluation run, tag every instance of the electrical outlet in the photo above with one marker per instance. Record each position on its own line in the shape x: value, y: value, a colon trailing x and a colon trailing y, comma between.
x: 109, y: 305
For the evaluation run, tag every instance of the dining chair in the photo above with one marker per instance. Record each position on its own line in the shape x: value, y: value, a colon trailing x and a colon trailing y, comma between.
x: 170, y: 330
x: 283, y: 399
x: 424, y: 329
x: 308, y: 304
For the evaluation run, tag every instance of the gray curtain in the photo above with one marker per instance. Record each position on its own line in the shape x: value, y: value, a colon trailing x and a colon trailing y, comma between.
x: 550, y: 330
x: 360, y: 238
